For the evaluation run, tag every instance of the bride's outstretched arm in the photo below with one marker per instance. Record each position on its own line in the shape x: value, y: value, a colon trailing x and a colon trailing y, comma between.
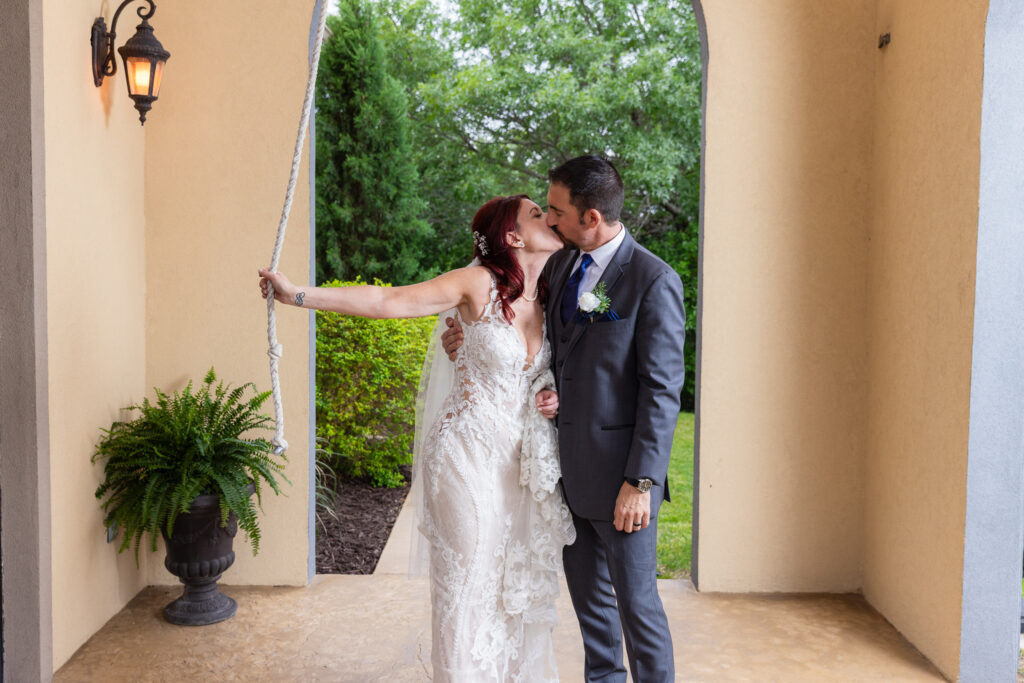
x: 411, y: 301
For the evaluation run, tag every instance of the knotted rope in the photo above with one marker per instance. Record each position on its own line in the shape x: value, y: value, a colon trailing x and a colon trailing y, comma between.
x: 274, y: 350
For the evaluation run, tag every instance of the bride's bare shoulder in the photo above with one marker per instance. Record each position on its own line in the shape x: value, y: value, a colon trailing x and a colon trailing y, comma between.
x: 477, y: 279
x: 468, y: 280
x: 476, y: 283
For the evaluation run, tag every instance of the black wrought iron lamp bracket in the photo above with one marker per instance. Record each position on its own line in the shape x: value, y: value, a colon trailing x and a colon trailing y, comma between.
x: 103, y: 62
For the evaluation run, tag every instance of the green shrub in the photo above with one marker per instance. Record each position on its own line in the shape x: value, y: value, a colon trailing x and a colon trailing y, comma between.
x: 367, y: 376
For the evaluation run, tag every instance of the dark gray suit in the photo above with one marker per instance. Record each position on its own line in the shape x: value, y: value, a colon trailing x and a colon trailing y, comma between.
x: 619, y: 383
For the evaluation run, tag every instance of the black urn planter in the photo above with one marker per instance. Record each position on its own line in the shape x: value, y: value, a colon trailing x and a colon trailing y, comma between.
x: 198, y: 552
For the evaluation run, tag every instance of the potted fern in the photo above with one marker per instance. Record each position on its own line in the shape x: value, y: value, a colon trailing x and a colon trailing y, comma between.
x: 187, y: 467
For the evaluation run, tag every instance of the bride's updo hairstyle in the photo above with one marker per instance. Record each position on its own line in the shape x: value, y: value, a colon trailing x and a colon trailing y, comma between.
x: 492, y: 222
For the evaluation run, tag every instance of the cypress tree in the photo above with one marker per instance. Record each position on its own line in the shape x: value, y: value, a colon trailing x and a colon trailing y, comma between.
x: 369, y: 218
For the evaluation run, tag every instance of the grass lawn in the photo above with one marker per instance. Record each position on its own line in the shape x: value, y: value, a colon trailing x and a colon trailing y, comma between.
x: 674, y: 536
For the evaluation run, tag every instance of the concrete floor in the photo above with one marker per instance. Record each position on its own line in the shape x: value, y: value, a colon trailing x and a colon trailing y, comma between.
x: 377, y: 628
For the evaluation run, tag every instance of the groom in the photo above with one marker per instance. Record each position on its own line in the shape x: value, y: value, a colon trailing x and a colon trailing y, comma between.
x: 619, y: 374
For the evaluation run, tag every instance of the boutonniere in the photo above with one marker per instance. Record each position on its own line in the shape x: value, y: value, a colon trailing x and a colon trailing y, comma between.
x: 596, y: 303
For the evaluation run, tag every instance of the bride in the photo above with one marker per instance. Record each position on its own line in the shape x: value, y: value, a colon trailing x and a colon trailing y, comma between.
x: 486, y: 468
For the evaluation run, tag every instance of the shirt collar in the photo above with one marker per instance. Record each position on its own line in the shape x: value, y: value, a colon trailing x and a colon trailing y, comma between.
x: 603, y: 254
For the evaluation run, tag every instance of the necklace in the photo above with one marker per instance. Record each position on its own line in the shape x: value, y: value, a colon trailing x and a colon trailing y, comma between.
x: 536, y: 292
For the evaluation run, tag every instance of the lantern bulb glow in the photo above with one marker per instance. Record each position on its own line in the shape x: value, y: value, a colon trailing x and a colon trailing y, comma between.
x: 139, y: 76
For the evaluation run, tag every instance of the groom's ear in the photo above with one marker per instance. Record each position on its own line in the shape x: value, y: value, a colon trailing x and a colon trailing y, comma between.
x: 592, y: 218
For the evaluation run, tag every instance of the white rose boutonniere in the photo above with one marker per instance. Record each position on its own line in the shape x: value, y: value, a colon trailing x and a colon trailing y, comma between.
x: 589, y: 302
x: 596, y: 303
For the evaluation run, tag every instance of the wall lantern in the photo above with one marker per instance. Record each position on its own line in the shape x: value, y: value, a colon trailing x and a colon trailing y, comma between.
x: 143, y: 56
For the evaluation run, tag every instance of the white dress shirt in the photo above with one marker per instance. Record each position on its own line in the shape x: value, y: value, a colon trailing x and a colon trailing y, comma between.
x: 602, y: 257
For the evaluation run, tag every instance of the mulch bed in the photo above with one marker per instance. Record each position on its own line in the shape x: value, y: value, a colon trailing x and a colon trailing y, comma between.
x: 352, y: 544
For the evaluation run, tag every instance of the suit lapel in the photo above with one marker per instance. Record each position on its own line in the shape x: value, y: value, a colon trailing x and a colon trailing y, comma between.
x: 611, y: 275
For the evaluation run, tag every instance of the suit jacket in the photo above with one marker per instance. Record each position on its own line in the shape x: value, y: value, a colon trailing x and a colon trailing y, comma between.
x: 619, y: 381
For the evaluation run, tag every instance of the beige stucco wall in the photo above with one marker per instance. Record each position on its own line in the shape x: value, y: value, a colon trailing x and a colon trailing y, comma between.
x: 96, y: 300
x: 840, y: 226
x: 154, y: 236
x: 218, y: 154
x: 783, y: 397
x: 920, y: 315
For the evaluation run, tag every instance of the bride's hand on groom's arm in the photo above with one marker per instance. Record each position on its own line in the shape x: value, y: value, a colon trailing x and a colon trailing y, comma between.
x: 547, y: 403
x: 452, y: 338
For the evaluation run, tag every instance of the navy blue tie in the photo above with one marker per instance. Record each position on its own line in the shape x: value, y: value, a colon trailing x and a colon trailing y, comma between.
x: 572, y: 289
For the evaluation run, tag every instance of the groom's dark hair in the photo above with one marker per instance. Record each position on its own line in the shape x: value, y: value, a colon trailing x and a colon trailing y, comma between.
x: 593, y: 183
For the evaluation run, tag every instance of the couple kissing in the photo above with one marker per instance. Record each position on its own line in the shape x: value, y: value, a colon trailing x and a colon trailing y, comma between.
x: 544, y: 442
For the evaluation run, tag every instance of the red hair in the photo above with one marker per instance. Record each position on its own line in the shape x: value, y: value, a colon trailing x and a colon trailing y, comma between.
x: 493, y: 221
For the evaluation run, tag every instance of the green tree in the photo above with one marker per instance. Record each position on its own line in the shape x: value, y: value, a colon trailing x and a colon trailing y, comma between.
x: 369, y: 219
x: 504, y: 90
x: 453, y: 180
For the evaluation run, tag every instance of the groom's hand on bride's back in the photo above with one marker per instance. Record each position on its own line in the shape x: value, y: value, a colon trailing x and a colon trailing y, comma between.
x: 452, y: 338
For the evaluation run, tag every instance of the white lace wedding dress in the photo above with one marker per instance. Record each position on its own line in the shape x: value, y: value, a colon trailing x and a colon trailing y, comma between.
x: 493, y: 516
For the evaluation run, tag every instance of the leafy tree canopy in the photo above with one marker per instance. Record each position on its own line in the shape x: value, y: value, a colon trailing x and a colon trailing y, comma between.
x: 523, y: 85
x: 501, y: 91
x: 425, y: 111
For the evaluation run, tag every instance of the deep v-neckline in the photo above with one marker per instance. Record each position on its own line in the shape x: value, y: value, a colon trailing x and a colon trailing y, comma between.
x: 491, y: 313
x: 529, y: 360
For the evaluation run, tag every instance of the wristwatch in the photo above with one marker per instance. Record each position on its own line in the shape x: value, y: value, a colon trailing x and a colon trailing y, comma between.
x: 642, y: 485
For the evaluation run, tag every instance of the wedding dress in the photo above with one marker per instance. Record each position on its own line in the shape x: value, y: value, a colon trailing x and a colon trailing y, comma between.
x: 491, y: 511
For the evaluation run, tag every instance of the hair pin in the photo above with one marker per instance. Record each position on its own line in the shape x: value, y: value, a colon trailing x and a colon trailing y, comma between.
x: 481, y: 242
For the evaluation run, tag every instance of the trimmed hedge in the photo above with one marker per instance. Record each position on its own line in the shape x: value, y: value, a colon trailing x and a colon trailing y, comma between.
x: 367, y: 377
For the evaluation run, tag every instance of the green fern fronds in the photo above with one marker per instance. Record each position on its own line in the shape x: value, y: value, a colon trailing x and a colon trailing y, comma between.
x: 182, y: 446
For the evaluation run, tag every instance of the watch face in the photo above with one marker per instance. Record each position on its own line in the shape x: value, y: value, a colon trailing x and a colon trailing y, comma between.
x: 642, y: 485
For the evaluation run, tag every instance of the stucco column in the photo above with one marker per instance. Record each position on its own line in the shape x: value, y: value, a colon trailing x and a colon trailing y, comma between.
x: 24, y: 431
x: 995, y: 450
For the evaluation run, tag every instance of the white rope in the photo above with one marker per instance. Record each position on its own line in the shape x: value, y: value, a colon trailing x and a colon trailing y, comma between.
x: 274, y: 350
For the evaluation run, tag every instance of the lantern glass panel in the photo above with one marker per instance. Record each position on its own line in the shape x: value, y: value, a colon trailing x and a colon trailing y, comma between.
x: 159, y: 72
x: 139, y: 72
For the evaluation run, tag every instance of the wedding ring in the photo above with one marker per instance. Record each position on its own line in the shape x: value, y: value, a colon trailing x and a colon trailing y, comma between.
x: 637, y: 524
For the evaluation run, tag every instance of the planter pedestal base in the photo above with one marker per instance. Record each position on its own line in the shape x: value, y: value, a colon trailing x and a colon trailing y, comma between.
x: 198, y: 553
x: 201, y: 604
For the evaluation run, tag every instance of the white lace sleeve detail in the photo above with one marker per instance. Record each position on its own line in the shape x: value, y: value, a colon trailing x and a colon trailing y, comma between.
x: 540, y: 469
x: 530, y: 585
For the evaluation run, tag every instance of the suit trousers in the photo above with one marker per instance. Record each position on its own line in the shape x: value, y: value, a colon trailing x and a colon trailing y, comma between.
x: 612, y: 579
